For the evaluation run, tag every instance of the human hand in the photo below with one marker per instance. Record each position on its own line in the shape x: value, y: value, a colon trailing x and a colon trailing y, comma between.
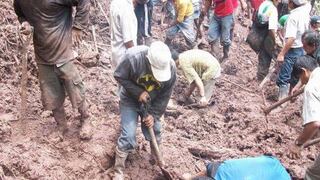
x: 144, y: 97
x: 25, y: 28
x: 76, y: 36
x: 203, y: 101
x: 148, y: 121
x: 294, y: 151
x: 280, y: 58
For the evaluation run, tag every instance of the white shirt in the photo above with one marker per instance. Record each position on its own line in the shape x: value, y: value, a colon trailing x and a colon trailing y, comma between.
x: 298, y: 23
x: 268, y: 13
x: 124, y: 28
x: 311, y: 98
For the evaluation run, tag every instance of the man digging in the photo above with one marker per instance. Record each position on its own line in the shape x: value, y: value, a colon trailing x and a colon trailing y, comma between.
x: 201, y: 70
x: 54, y: 31
x: 147, y: 76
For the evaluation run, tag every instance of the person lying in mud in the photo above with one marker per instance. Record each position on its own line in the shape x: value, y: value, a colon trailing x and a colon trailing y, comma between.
x: 307, y: 69
x: 54, y: 33
x: 262, y: 167
x: 201, y: 70
x: 147, y: 76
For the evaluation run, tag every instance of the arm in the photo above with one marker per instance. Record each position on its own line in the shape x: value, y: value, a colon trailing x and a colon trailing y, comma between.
x: 81, y: 18
x: 123, y: 75
x: 285, y: 49
x: 19, y: 12
x: 308, y: 132
x: 126, y: 27
x: 159, y: 104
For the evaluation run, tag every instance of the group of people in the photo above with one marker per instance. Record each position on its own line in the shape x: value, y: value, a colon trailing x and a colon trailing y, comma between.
x: 146, y: 69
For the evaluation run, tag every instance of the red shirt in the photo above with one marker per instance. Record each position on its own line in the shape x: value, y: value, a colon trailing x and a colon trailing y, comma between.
x: 256, y: 3
x: 223, y: 7
x: 235, y: 4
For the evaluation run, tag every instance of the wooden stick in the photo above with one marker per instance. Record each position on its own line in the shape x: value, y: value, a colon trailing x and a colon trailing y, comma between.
x: 311, y: 142
x: 94, y: 38
x: 243, y: 88
x: 104, y: 13
x: 275, y: 105
x: 268, y: 76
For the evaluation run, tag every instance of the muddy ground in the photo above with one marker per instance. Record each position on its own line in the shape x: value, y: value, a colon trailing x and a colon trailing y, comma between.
x: 233, y: 126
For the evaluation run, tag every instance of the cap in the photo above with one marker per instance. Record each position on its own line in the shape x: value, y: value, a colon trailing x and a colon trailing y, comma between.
x: 160, y: 59
x: 299, y: 2
x: 314, y: 19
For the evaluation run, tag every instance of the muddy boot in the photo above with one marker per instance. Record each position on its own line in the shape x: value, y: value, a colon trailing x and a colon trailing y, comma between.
x: 85, y: 123
x: 60, y: 117
x: 225, y: 52
x: 119, y: 164
x: 283, y: 91
x: 215, y: 49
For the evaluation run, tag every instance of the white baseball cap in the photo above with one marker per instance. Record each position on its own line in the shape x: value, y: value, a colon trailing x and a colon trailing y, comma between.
x: 159, y: 56
x: 299, y: 2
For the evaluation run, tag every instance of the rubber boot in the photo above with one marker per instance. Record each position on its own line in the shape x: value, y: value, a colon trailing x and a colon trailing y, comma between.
x: 283, y: 91
x: 85, y: 122
x: 215, y: 49
x: 119, y: 164
x: 225, y: 52
x: 59, y: 115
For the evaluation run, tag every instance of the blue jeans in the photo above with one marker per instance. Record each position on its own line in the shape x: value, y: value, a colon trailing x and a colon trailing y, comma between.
x: 220, y: 28
x: 290, y: 58
x: 129, y: 121
x: 187, y: 29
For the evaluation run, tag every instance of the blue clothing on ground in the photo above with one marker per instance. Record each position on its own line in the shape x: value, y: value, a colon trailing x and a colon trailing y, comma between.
x: 286, y: 69
x: 251, y: 168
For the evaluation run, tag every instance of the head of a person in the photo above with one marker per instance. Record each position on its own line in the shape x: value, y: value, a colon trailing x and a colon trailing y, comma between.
x: 310, y: 41
x: 293, y: 4
x: 276, y: 2
x: 315, y: 23
x: 136, y: 2
x: 159, y: 57
x: 303, y: 68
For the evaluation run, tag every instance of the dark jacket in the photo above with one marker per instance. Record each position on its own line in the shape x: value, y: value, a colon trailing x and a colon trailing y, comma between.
x: 52, y: 22
x: 135, y: 76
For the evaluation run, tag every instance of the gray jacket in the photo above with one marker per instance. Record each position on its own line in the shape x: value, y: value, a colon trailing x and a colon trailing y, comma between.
x: 135, y: 76
x: 52, y: 22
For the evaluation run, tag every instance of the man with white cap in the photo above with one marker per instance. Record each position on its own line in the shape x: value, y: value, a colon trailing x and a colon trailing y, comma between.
x: 147, y: 76
x: 297, y: 23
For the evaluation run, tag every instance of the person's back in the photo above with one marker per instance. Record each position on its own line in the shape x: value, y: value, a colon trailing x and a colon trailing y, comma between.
x: 201, y: 61
x: 52, y: 22
x: 252, y: 168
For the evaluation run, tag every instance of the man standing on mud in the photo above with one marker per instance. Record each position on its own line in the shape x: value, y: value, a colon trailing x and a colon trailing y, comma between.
x: 54, y: 31
x: 307, y: 70
x: 297, y: 23
x: 147, y: 76
x: 220, y: 27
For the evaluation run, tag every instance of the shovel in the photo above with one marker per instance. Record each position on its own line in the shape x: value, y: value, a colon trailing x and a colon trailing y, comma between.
x: 154, y: 143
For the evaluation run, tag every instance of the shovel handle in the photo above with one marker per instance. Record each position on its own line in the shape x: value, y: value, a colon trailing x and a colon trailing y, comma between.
x: 155, y: 146
x: 275, y: 105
